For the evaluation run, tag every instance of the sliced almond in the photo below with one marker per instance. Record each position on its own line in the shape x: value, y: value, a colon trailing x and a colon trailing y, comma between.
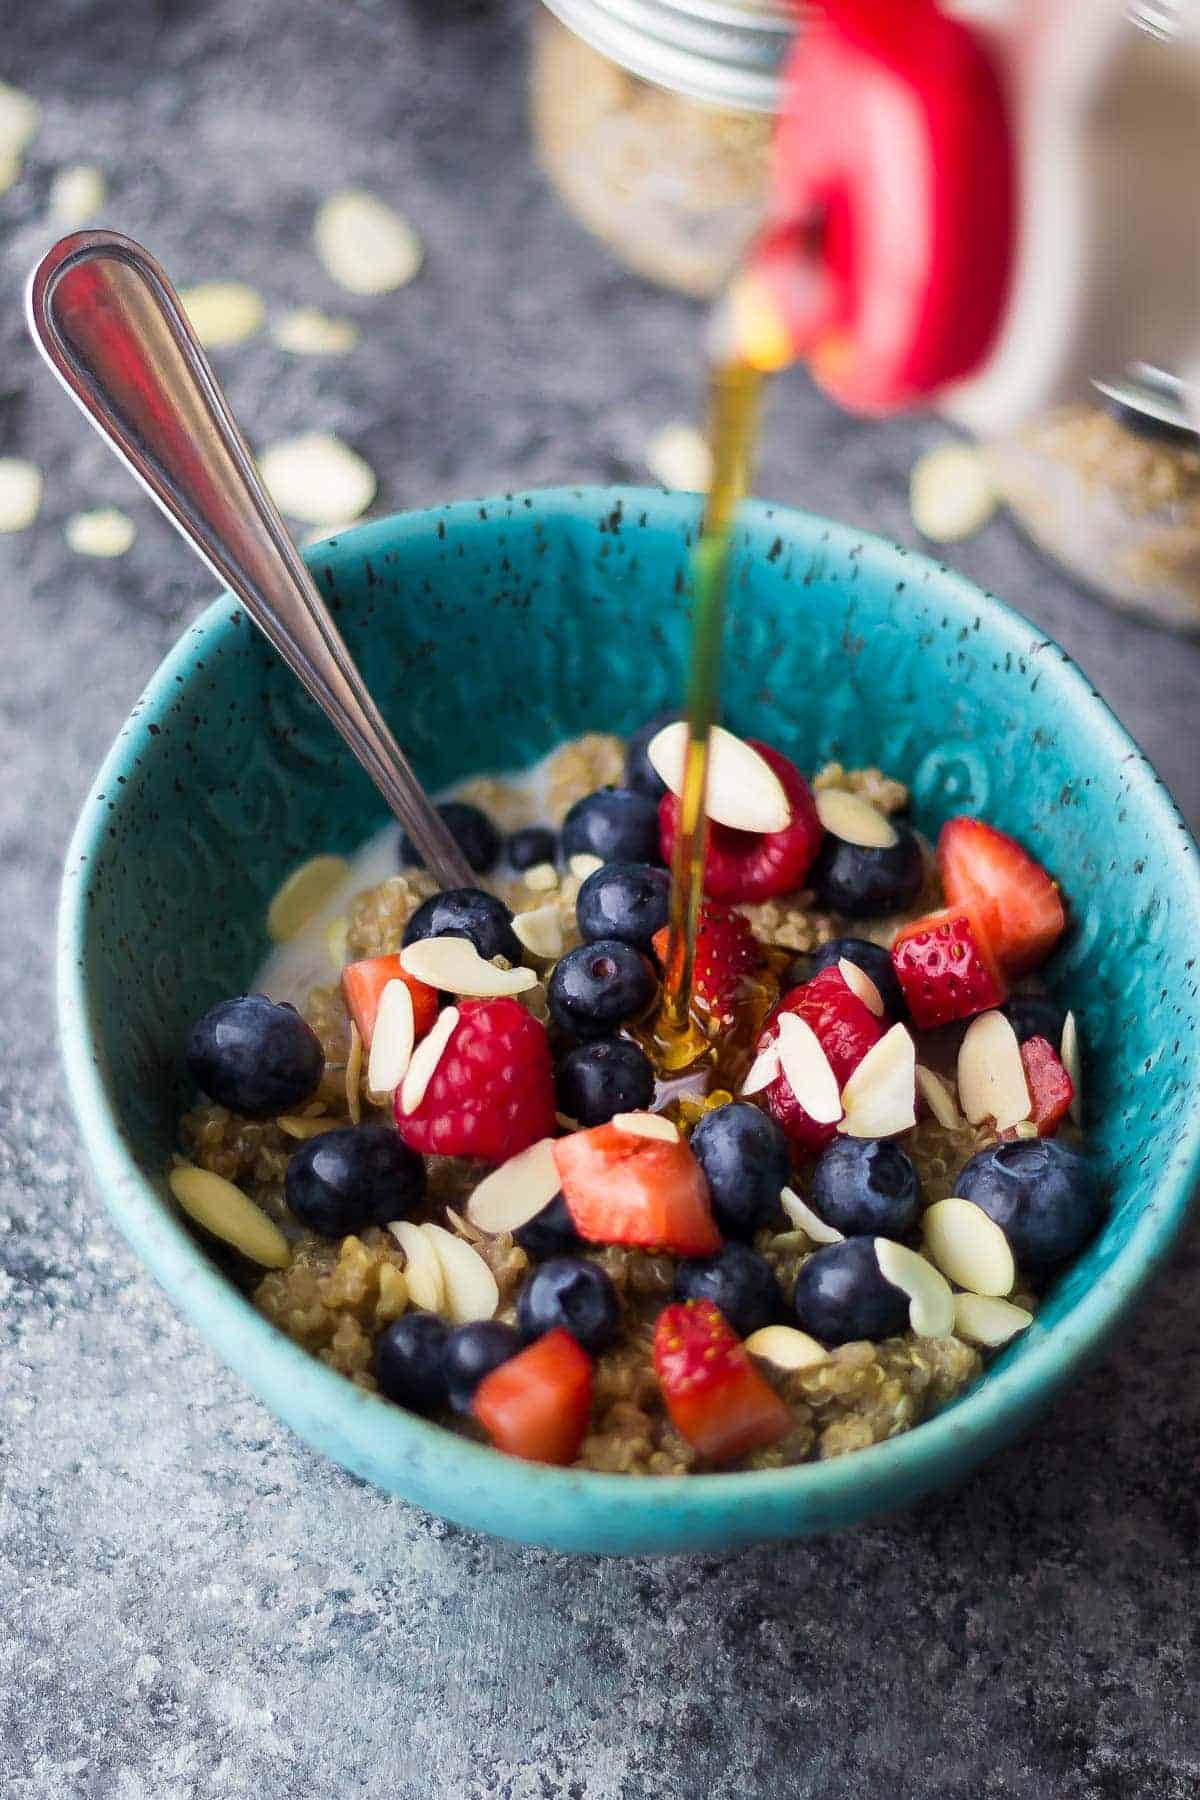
x: 807, y: 1070
x: 365, y: 246
x: 454, y: 965
x: 425, y: 1059
x: 951, y: 494
x: 223, y: 313
x: 540, y: 931
x: 802, y: 1216
x: 930, y: 1300
x: 230, y: 1215
x: 969, y: 1247
x: 422, y: 1266
x: 990, y: 1322
x: 19, y: 115
x: 647, y: 1125
x: 679, y: 457
x: 542, y: 878
x: 105, y: 532
x: 317, y: 478
x: 744, y: 791
x: 517, y: 1191
x: 392, y: 1039
x: 763, y: 1069
x: 77, y: 192
x: 785, y: 1348
x: 336, y: 933
x: 582, y: 864
x: 354, y: 1063
x: 854, y: 820
x: 1069, y: 1052
x: 20, y: 493
x: 880, y: 1098
x: 860, y: 983
x: 938, y: 1098
x: 303, y: 894
x: 307, y: 332
x: 468, y: 1284
x: 991, y: 1076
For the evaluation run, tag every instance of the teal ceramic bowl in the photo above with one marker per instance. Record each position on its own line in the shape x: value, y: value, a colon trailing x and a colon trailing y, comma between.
x: 488, y: 633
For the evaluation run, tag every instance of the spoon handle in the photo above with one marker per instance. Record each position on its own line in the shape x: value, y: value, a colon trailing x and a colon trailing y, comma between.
x: 113, y: 330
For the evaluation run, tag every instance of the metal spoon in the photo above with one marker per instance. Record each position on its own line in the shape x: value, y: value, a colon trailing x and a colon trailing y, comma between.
x: 111, y: 327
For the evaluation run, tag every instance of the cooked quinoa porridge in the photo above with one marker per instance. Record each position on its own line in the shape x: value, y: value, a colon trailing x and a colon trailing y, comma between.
x: 440, y: 1139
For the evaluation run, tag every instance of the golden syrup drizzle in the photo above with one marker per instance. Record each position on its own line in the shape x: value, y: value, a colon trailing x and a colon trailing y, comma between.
x: 676, y: 1039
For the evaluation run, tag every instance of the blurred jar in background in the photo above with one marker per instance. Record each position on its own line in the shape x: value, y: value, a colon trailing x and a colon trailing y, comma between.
x: 653, y: 119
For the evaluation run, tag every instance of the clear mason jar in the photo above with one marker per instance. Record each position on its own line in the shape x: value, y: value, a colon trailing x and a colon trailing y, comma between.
x: 653, y: 118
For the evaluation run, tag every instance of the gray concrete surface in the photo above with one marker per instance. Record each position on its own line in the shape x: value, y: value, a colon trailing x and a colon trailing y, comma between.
x: 192, y: 1603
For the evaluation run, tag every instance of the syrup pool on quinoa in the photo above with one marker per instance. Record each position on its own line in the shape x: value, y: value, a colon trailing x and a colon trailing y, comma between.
x: 454, y: 1175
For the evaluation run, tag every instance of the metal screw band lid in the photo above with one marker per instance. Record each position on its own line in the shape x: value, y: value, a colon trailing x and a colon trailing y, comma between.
x: 725, y: 52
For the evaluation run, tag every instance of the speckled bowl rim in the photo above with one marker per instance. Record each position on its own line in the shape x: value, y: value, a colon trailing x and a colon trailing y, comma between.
x: 702, y: 1511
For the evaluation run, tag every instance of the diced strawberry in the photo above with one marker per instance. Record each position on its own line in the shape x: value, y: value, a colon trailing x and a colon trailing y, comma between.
x: 717, y: 1398
x: 846, y: 1029
x: 622, y: 1188
x: 1018, y: 905
x: 946, y: 968
x: 1051, y: 1090
x: 362, y: 989
x: 726, y: 949
x: 492, y: 1092
x: 751, y: 865
x: 536, y: 1405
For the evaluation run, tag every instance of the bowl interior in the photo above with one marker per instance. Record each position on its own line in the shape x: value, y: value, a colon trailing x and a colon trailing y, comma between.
x: 490, y: 632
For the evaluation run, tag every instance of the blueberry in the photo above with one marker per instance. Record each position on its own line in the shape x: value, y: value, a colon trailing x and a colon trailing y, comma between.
x: 608, y: 1076
x: 870, y: 958
x: 737, y: 1280
x: 410, y: 1361
x: 597, y: 987
x: 1044, y: 1197
x: 357, y: 1175
x: 531, y: 845
x: 615, y: 824
x: 469, y: 913
x: 1036, y: 1015
x: 549, y: 1233
x: 473, y: 1351
x: 862, y: 881
x: 864, y: 1186
x: 254, y: 1056
x: 744, y: 1156
x: 639, y: 774
x: 841, y: 1296
x: 471, y: 830
x: 575, y: 1294
x: 624, y: 900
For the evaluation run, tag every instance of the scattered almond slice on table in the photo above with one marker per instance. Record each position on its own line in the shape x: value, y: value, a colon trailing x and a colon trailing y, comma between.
x: 223, y: 313
x: 951, y: 494
x: 517, y: 1191
x: 105, y: 532
x: 422, y: 1266
x: 468, y: 1286
x: 366, y: 247
x: 990, y: 1322
x: 19, y: 115
x: 20, y: 493
x: 392, y: 1039
x: 302, y: 895
x: 306, y: 332
x: 454, y: 965
x: 223, y: 1209
x: 425, y: 1059
x: 991, y: 1075
x: 77, y: 193
x: 879, y: 1099
x: 744, y: 792
x: 807, y: 1069
x: 969, y: 1247
x: 930, y: 1299
x: 802, y: 1216
x: 854, y: 820
x: 317, y: 478
x: 679, y: 457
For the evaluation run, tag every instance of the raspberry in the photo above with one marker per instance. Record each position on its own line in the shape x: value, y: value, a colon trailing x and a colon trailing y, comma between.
x: 846, y: 1028
x: 492, y: 1092
x: 750, y: 865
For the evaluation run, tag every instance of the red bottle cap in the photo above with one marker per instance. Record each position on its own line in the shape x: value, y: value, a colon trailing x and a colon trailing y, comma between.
x: 887, y: 255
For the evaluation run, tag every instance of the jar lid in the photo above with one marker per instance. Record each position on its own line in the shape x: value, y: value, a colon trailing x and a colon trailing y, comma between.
x: 726, y: 52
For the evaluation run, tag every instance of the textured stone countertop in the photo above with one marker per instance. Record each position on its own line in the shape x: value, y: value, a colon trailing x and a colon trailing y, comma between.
x: 192, y: 1604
